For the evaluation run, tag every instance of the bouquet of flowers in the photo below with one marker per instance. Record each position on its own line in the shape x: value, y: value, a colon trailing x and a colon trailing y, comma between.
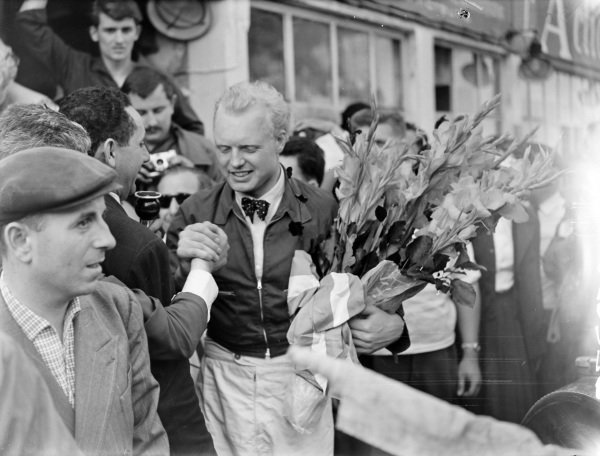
x: 404, y: 214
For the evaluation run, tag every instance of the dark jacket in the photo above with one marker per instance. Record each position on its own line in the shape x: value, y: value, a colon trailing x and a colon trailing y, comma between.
x: 248, y: 318
x: 141, y: 260
x: 74, y: 69
x: 201, y: 151
x: 528, y: 289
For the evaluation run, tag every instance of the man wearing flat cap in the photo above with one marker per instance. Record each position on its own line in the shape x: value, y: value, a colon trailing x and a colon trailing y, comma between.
x: 84, y: 335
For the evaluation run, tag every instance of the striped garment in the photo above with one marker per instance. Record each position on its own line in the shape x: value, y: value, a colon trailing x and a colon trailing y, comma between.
x: 321, y: 310
x: 58, y: 356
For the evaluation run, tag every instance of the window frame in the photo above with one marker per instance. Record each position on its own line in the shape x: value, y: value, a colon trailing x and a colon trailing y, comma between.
x: 333, y: 22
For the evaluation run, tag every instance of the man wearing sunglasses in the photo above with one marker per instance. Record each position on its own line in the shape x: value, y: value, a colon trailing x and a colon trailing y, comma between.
x: 175, y: 186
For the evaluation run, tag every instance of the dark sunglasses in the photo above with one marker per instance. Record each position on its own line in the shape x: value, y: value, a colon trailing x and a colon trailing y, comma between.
x: 165, y: 200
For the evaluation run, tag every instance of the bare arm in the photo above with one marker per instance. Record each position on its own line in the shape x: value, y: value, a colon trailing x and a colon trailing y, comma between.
x: 18, y: 93
x: 469, y: 373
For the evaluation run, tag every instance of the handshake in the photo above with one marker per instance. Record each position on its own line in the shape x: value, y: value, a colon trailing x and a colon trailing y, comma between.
x: 203, y: 246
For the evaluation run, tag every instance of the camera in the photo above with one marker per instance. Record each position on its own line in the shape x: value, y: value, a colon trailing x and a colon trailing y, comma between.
x: 160, y: 161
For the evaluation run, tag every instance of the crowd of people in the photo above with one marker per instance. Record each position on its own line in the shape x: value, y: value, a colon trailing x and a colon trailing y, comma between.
x: 119, y: 338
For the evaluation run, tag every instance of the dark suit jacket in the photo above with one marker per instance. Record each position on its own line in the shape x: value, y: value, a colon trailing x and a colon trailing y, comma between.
x: 140, y: 260
x: 528, y: 289
x: 115, y: 394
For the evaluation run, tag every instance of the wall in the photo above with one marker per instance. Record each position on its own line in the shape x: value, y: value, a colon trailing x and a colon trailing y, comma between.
x: 220, y: 58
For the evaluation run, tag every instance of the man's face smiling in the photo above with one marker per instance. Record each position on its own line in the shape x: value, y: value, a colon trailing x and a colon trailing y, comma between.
x: 115, y: 38
x: 69, y: 248
x: 249, y: 149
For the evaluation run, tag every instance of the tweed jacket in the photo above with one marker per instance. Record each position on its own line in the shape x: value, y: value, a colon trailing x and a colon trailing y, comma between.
x: 37, y: 428
x: 115, y: 394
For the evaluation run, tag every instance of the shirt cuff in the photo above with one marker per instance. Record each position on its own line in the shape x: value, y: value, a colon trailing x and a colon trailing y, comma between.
x: 201, y: 283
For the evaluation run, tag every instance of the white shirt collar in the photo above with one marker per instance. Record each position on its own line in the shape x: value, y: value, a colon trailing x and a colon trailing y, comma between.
x: 273, y: 196
x: 115, y: 196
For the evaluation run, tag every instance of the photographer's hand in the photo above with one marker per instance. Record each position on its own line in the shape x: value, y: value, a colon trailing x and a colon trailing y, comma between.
x: 145, y: 173
x: 204, y: 241
x: 180, y: 160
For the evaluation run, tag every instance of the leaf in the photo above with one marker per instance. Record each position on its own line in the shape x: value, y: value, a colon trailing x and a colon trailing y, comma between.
x: 462, y: 292
x: 470, y: 265
x: 412, y: 291
x: 380, y: 213
x: 418, y: 250
x: 515, y: 212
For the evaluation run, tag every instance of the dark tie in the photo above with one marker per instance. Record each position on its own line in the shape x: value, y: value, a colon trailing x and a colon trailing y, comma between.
x: 250, y: 206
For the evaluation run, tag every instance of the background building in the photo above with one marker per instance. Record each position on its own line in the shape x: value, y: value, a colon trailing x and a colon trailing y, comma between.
x: 426, y: 58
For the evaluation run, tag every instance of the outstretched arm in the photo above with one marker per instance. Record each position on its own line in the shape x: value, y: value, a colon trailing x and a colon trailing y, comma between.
x: 45, y: 45
x: 469, y: 373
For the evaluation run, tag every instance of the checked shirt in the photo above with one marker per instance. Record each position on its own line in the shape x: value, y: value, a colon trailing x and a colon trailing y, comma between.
x: 58, y: 356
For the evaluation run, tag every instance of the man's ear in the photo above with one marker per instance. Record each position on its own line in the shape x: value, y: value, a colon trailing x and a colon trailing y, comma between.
x: 313, y: 182
x: 173, y: 100
x: 18, y: 240
x: 107, y: 152
x: 138, y: 31
x: 281, y: 139
x: 94, y: 33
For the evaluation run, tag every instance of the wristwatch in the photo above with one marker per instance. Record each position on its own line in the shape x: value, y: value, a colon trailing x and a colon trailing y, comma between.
x: 471, y: 345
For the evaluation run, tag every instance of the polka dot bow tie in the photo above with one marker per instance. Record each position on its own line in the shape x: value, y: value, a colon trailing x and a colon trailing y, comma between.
x: 250, y: 206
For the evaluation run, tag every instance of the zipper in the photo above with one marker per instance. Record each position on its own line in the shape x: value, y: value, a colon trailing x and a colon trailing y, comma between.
x: 259, y: 288
x: 262, y: 317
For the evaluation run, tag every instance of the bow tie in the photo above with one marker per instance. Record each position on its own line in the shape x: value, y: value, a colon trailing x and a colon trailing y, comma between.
x: 250, y: 206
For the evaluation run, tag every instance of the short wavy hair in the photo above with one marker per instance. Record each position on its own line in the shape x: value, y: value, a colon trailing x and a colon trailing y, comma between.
x: 116, y: 10
x: 244, y: 95
x: 101, y: 111
x: 143, y: 81
x: 25, y: 126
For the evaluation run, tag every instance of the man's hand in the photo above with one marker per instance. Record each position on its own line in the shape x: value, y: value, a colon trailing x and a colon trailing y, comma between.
x: 180, y: 160
x: 145, y: 174
x: 469, y: 374
x: 374, y: 329
x: 204, y: 241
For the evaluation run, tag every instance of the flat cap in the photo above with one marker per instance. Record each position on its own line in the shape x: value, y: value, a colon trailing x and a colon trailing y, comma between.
x: 47, y: 179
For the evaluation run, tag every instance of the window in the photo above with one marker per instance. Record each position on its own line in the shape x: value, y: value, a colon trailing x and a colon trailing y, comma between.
x: 353, y: 47
x: 312, y: 61
x: 265, y: 44
x: 464, y: 80
x: 324, y: 63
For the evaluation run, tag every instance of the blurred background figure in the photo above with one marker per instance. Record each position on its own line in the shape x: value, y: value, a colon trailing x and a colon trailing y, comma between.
x: 154, y: 96
x: 115, y: 28
x: 513, y: 321
x: 175, y: 186
x: 12, y: 92
x: 391, y: 126
x: 305, y: 159
x: 569, y: 226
